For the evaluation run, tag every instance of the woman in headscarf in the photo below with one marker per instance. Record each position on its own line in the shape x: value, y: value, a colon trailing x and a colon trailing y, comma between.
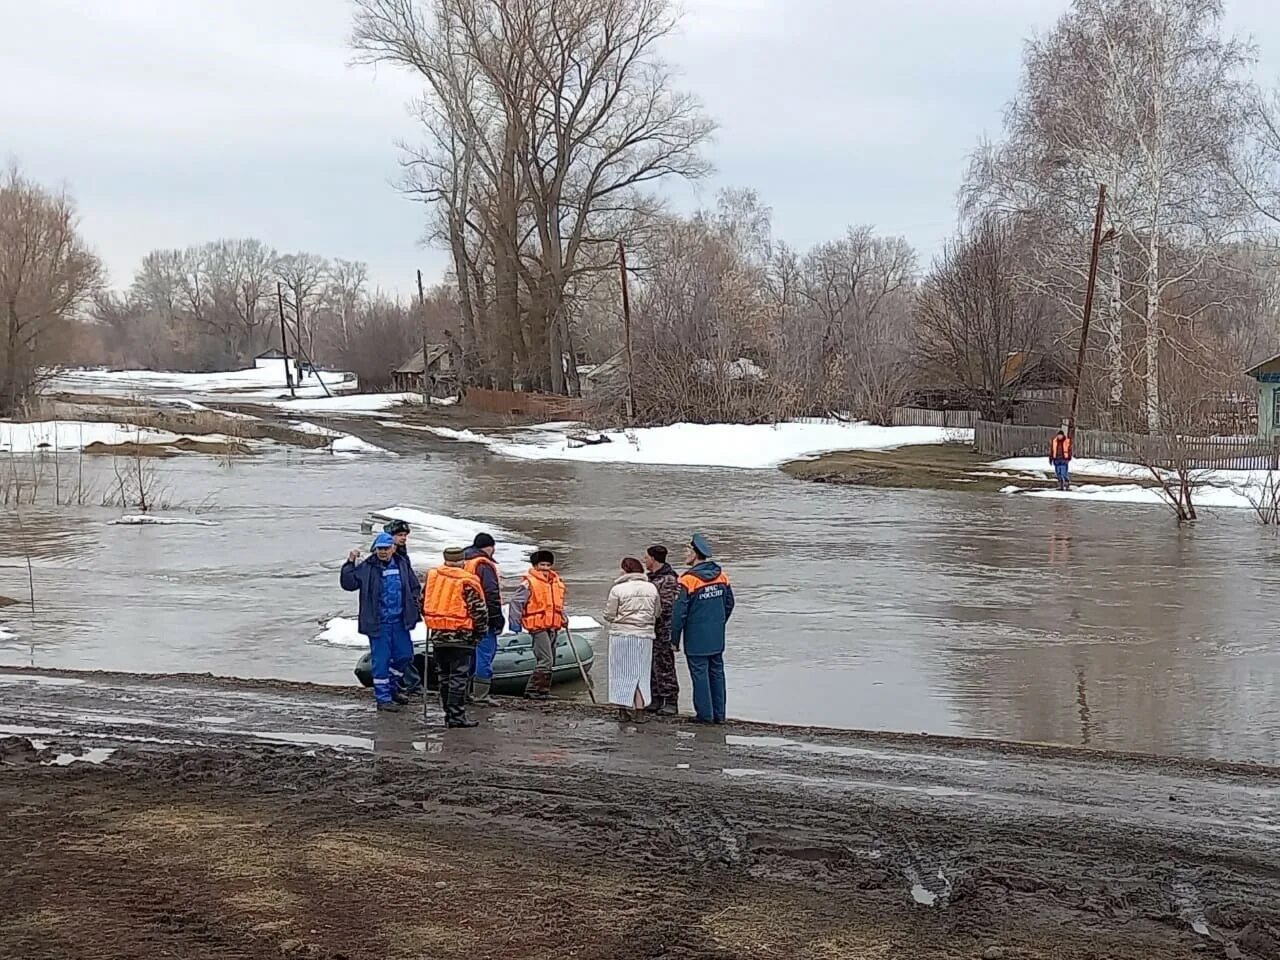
x: 632, y: 610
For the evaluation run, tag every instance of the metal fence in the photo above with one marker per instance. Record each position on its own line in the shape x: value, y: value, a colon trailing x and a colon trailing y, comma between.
x: 920, y: 417
x: 1198, y: 453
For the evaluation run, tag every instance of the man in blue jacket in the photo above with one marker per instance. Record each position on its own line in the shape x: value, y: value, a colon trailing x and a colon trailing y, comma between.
x: 704, y: 603
x: 390, y: 607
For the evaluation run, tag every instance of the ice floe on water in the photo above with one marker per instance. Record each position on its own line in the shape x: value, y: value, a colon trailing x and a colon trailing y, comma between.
x: 347, y: 444
x: 433, y: 532
x: 150, y: 520
x: 744, y: 446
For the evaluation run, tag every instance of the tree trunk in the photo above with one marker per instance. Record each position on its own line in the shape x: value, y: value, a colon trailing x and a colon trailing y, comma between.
x: 1153, y: 335
x: 1115, y: 329
x: 574, y: 381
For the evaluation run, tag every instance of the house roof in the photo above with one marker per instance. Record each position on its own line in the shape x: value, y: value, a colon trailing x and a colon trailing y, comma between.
x: 607, y: 369
x: 1270, y: 365
x: 1036, y: 367
x: 272, y: 354
x: 413, y: 363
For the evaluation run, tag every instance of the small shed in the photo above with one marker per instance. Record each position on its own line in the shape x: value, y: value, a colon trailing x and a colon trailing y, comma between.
x: 1267, y: 373
x: 432, y: 363
x: 270, y: 360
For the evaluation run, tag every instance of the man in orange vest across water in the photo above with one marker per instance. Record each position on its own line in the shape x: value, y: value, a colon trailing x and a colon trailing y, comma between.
x: 704, y: 603
x: 1060, y: 457
x: 538, y: 607
x: 479, y: 558
x: 454, y: 609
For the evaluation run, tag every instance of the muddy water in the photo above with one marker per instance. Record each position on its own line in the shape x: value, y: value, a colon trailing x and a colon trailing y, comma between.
x: 905, y: 610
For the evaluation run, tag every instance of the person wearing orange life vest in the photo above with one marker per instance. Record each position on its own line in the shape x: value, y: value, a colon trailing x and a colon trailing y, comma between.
x: 704, y: 603
x: 479, y: 560
x: 457, y: 617
x: 538, y: 607
x: 1060, y: 457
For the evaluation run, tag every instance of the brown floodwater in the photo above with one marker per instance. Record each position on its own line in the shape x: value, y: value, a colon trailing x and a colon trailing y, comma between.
x: 957, y: 613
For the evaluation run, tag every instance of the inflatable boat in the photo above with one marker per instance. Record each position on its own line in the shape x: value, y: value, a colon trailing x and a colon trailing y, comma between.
x: 512, y: 666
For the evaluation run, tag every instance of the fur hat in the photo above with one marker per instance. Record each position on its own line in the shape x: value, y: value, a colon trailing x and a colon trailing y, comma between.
x: 542, y: 556
x: 453, y: 555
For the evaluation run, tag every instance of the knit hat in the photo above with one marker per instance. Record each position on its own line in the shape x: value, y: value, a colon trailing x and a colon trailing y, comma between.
x: 483, y: 540
x: 542, y: 556
x: 453, y: 555
x: 699, y: 543
x: 396, y: 526
x: 383, y: 540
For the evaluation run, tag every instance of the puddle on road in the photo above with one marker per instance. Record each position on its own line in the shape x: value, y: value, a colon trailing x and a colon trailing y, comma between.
x: 40, y: 680
x: 94, y: 755
x: 7, y: 730
x: 782, y: 743
x: 936, y: 791
x: 923, y: 895
x: 320, y: 739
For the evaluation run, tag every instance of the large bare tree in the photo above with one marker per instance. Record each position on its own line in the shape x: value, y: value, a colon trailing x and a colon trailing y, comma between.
x: 46, y: 274
x: 548, y: 124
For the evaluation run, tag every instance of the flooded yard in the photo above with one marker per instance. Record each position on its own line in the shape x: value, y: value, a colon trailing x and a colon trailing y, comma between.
x: 922, y: 611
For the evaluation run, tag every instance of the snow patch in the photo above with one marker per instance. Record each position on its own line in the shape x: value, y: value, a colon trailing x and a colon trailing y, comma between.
x: 62, y: 435
x: 743, y: 446
x: 354, y: 445
x: 352, y: 404
x: 344, y: 632
x: 266, y: 381
x: 433, y: 532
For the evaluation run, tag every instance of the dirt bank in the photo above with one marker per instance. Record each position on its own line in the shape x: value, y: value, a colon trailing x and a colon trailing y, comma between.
x: 940, y: 466
x: 563, y: 835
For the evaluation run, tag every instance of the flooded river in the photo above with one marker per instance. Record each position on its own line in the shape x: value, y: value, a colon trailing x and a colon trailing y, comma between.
x: 904, y: 610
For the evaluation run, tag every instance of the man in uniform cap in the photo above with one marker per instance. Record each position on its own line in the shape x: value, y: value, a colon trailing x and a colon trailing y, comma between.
x: 704, y: 603
x: 388, y: 612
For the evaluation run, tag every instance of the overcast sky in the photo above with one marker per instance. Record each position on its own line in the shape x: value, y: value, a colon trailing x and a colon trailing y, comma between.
x: 173, y: 122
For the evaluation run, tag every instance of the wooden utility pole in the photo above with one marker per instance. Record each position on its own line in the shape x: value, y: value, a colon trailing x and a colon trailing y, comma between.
x: 422, y: 326
x: 1088, y: 305
x: 284, y: 342
x: 626, y: 332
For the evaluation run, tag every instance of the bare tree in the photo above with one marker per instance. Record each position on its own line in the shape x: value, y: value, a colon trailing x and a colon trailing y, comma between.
x: 548, y: 124
x: 973, y: 314
x: 46, y: 275
x: 304, y: 276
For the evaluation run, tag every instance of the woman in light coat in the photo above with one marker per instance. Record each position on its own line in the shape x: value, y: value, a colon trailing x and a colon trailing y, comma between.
x: 632, y: 610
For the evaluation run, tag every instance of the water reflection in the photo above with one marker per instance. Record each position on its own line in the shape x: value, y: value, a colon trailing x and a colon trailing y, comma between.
x: 948, y: 613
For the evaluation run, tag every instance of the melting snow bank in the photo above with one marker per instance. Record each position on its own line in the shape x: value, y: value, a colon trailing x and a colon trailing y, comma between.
x: 343, y: 632
x: 1232, y: 489
x: 349, y: 444
x: 147, y: 520
x: 744, y: 446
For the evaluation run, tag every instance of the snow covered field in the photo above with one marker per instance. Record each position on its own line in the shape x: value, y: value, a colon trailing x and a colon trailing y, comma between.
x: 744, y: 446
x: 350, y: 404
x: 266, y: 381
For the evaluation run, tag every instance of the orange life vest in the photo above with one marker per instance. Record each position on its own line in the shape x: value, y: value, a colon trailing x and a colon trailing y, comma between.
x: 444, y: 606
x: 1060, y: 448
x: 475, y: 563
x: 545, y: 609
x: 692, y: 582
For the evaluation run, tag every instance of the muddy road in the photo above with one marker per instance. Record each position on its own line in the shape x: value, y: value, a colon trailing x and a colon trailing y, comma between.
x: 192, y: 817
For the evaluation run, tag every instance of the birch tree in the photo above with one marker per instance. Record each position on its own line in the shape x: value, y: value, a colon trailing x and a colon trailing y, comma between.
x: 1143, y: 96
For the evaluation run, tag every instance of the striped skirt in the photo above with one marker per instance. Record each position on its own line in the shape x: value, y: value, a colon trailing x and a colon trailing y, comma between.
x: 630, y: 661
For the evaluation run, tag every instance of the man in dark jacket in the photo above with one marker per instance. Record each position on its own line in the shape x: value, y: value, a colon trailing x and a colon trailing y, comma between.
x: 389, y: 609
x: 457, y: 617
x: 479, y: 560
x: 704, y: 603
x: 663, y: 683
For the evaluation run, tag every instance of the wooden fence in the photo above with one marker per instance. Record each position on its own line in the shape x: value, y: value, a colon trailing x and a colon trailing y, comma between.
x: 1198, y: 453
x: 510, y: 403
x: 920, y: 417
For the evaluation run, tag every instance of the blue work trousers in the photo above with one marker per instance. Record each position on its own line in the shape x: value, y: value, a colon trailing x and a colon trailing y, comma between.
x: 482, y: 662
x: 391, y: 653
x: 707, y: 675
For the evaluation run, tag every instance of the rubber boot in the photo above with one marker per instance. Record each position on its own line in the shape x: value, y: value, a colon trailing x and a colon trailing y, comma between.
x: 668, y: 708
x: 655, y: 705
x: 389, y: 707
x: 480, y: 692
x: 455, y: 713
